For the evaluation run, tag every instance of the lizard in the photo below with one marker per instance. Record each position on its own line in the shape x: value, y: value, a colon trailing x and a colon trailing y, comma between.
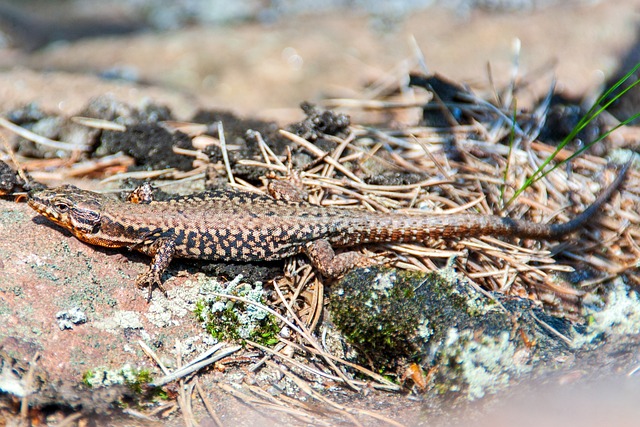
x: 237, y: 225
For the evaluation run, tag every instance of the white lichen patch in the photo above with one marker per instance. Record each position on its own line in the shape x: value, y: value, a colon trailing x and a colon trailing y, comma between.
x: 424, y: 330
x: 67, y: 318
x: 194, y: 344
x: 179, y: 302
x: 11, y: 383
x: 384, y: 281
x: 623, y: 155
x: 103, y: 377
x: 620, y: 315
x: 380, y: 287
x: 249, y: 315
x: 477, y: 304
x: 31, y: 259
x: 486, y: 363
x: 120, y: 320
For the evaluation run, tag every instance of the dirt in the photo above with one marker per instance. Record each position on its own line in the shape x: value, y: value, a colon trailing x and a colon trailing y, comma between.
x: 264, y: 73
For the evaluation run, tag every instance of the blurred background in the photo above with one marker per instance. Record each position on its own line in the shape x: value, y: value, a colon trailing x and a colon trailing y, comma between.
x: 263, y: 58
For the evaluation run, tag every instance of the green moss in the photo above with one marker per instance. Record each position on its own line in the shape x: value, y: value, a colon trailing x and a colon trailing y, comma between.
x: 230, y: 320
x: 474, y: 344
x: 88, y: 378
x: 390, y: 315
x: 382, y: 313
x: 126, y: 375
x: 221, y: 324
x: 140, y: 380
x: 137, y: 380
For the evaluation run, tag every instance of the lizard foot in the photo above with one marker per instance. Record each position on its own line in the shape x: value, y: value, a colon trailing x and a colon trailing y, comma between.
x: 330, y: 264
x: 149, y: 279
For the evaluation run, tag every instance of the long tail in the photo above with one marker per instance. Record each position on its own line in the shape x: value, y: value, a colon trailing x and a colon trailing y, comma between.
x: 557, y: 230
x: 412, y: 228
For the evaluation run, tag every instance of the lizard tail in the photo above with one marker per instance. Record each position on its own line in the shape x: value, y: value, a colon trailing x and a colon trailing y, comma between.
x: 414, y: 228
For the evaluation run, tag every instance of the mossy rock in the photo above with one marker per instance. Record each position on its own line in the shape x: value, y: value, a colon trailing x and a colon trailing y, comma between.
x: 439, y: 320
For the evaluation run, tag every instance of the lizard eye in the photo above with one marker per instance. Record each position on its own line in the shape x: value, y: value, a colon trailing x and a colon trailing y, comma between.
x: 61, y: 207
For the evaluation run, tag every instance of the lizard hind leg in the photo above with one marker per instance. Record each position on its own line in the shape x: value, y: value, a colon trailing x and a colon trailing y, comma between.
x: 284, y: 190
x: 330, y: 264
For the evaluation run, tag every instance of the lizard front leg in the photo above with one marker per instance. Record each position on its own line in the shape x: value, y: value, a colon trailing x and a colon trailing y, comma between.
x: 330, y: 264
x: 162, y: 251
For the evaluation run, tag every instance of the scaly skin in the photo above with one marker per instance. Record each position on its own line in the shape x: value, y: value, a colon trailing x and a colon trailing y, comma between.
x: 232, y: 225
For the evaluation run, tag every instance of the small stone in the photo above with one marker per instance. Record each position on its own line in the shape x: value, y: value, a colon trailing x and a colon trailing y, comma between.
x: 68, y: 318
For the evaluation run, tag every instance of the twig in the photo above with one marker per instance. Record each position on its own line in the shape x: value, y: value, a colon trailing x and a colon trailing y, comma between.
x: 186, y: 370
x: 69, y: 420
x: 252, y: 402
x: 152, y: 354
x: 319, y: 153
x: 207, y: 404
x: 29, y: 388
x: 304, y: 386
x: 39, y: 139
x: 98, y: 123
x: 225, y: 153
x: 551, y: 329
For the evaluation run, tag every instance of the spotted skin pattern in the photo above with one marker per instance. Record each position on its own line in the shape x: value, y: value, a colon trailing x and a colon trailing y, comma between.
x: 232, y: 225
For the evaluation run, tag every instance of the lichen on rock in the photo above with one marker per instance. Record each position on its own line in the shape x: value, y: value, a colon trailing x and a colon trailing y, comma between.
x: 618, y: 313
x: 228, y: 319
x: 472, y: 343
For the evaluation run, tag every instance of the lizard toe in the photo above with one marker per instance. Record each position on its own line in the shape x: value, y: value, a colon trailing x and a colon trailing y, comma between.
x: 150, y: 279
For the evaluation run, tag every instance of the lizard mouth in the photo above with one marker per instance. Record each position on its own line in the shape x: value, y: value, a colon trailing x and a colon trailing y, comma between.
x: 42, y: 207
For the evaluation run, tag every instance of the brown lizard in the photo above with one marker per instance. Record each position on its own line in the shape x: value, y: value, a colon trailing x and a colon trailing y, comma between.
x: 231, y: 225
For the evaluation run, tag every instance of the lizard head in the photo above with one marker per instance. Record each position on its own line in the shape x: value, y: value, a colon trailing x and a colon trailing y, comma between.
x: 74, y: 209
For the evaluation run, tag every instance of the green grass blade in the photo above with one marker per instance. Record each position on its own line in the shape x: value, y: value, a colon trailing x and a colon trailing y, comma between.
x: 596, y: 109
x: 512, y: 138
